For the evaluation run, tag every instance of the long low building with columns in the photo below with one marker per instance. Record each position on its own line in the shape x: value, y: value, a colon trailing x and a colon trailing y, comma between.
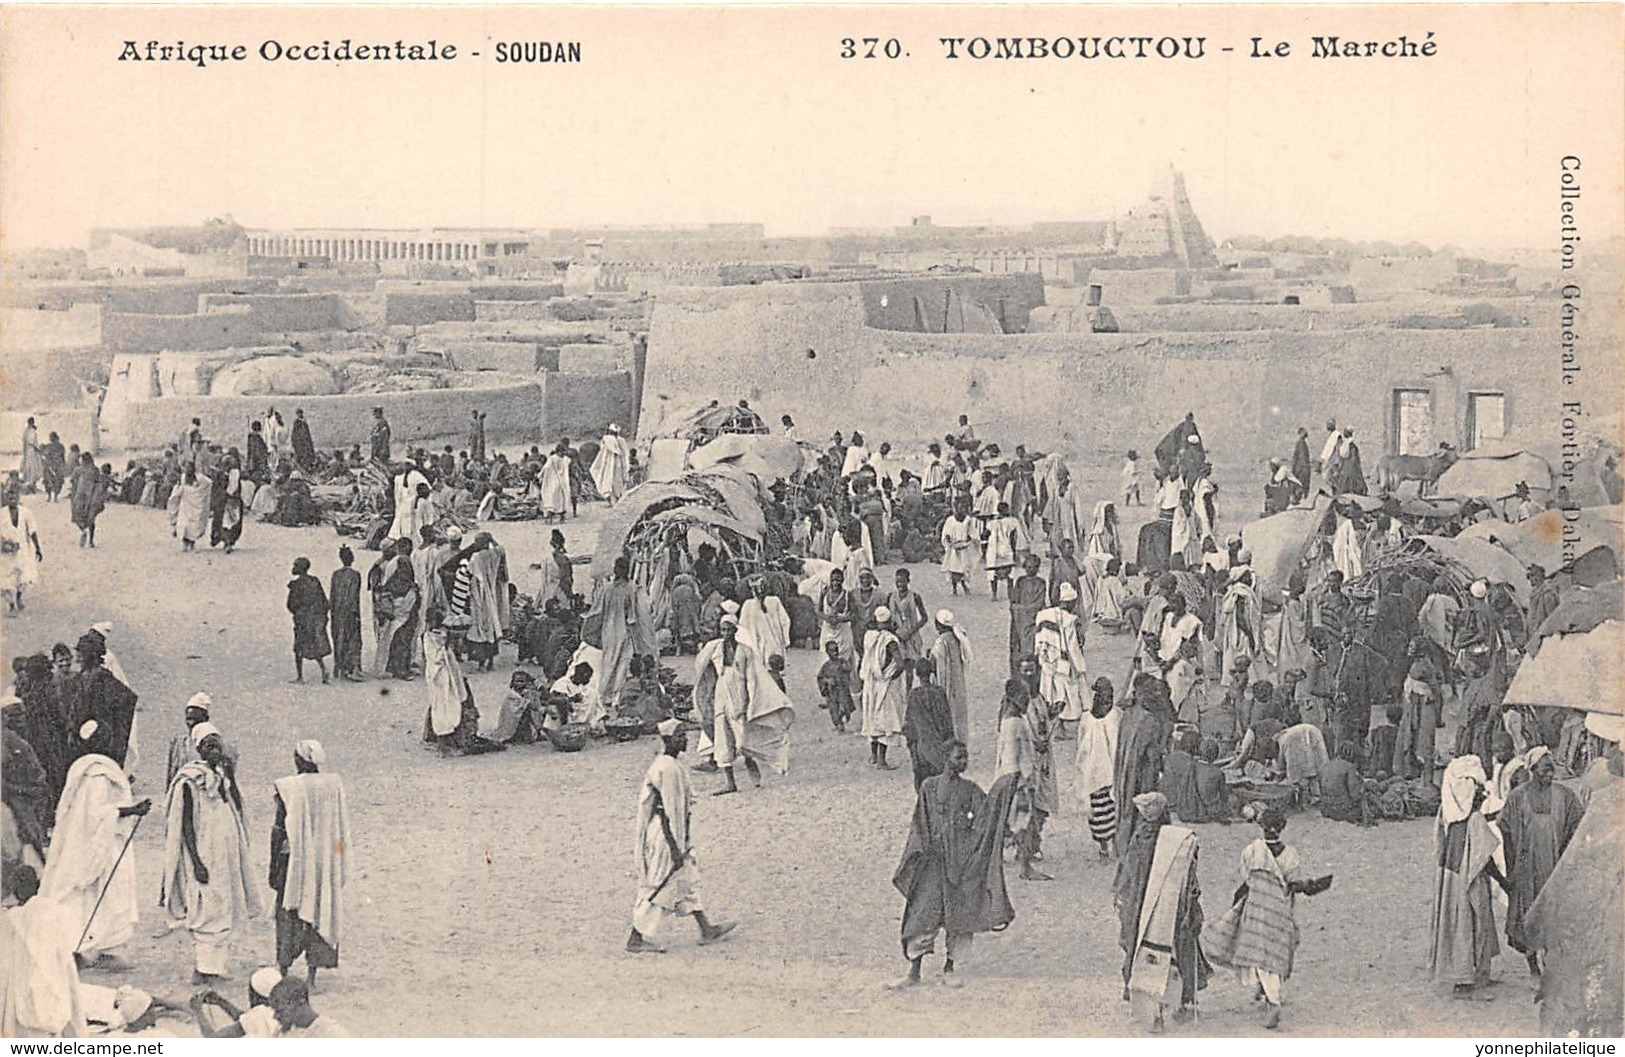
x: 469, y: 245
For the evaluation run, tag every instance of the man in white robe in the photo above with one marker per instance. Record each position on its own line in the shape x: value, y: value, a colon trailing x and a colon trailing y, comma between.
x: 764, y: 625
x: 961, y: 539
x: 1241, y: 623
x: 883, y: 690
x: 1096, y: 760
x: 668, y: 875
x: 39, y: 987
x: 750, y: 716
x: 95, y: 819
x: 553, y: 486
x: 610, y: 468
x: 410, y: 515
x: 189, y: 508
x: 1007, y: 541
x: 1061, y: 665
x: 206, y: 881
x: 1176, y: 651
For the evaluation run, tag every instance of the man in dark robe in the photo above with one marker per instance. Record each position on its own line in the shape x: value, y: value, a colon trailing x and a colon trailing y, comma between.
x: 257, y: 461
x: 344, y: 601
x: 928, y: 723
x: 304, y: 447
x: 1302, y: 468
x: 1137, y: 767
x: 401, y: 585
x: 952, y: 871
x: 1064, y: 569
x: 42, y: 721
x: 24, y: 786
x: 96, y: 694
x: 1159, y: 909
x: 1028, y: 596
x: 380, y: 437
x: 1544, y: 595
x: 1348, y: 478
x: 1362, y: 681
x: 1173, y: 444
x: 1537, y: 822
x: 1481, y: 696
x: 308, y: 604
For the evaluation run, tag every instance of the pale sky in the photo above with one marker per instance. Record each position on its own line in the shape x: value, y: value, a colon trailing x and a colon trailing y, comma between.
x: 684, y: 115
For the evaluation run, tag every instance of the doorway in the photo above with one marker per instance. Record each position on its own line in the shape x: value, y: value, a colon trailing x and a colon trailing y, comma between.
x: 1413, y: 422
x: 1486, y: 418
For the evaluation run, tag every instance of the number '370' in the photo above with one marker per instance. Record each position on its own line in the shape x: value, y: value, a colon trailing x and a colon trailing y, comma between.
x: 871, y: 48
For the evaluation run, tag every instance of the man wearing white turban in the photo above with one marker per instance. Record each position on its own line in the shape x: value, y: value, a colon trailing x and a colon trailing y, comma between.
x: 884, y: 695
x: 1463, y: 923
x: 89, y: 861
x: 951, y: 654
x: 310, y: 840
x: 182, y: 748
x: 1061, y: 665
x: 611, y: 467
x: 205, y: 881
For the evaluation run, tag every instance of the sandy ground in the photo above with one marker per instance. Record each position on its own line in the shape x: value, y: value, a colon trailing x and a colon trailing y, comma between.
x: 491, y: 895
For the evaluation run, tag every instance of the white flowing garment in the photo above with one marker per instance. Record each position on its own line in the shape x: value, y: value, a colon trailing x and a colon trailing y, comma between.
x: 79, y: 866
x: 610, y: 467
x: 553, y: 485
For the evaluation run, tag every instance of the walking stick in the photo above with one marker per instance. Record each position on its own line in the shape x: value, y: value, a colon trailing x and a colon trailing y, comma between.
x: 110, y: 874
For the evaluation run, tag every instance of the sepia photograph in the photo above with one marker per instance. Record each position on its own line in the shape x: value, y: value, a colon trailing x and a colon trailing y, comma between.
x: 856, y: 521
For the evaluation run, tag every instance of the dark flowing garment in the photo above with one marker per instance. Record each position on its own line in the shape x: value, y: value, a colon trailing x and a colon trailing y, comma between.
x: 1302, y: 468
x: 308, y: 604
x: 86, y: 495
x: 97, y: 694
x: 344, y: 597
x: 1155, y: 545
x: 26, y: 790
x: 224, y: 507
x: 1348, y: 478
x: 257, y: 460
x: 43, y: 723
x: 1536, y: 826
x: 1129, y: 891
x: 1138, y: 766
x: 56, y: 466
x: 952, y: 871
x: 380, y: 441
x: 304, y: 449
x: 928, y: 726
x: 1027, y: 597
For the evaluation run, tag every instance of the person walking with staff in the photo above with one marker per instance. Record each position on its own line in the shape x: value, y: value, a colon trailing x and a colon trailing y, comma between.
x: 85, y: 870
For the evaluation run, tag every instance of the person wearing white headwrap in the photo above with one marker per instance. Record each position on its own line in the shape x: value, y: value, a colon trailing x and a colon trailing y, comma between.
x: 764, y: 624
x: 206, y: 881
x: 310, y: 838
x: 94, y: 820
x: 611, y: 467
x: 668, y: 875
x: 951, y: 654
x: 884, y: 696
x: 182, y: 749
x: 1463, y: 921
x: 1537, y: 822
x: 1061, y: 665
x: 727, y: 673
x: 1241, y: 623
